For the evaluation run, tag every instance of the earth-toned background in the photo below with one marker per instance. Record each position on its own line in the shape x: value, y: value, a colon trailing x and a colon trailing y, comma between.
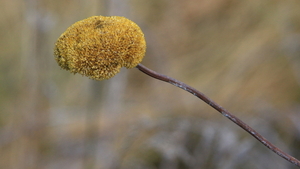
x: 245, y: 55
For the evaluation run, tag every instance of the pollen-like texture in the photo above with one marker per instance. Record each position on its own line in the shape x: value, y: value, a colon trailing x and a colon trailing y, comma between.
x: 99, y: 46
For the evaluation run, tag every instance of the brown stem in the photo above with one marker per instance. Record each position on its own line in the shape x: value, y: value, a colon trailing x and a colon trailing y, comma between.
x: 220, y: 109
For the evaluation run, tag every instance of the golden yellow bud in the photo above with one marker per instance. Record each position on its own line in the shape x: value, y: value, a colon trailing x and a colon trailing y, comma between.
x: 99, y: 46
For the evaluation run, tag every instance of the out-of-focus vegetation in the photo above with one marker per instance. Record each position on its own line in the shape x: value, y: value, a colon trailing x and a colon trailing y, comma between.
x: 245, y: 55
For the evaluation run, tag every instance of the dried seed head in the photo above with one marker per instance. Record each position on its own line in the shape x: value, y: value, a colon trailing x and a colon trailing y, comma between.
x: 99, y: 46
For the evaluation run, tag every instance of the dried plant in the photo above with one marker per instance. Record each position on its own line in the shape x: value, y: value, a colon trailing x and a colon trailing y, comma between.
x: 97, y: 47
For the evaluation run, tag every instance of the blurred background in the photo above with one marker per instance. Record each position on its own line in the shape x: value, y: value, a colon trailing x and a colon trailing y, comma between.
x: 245, y: 55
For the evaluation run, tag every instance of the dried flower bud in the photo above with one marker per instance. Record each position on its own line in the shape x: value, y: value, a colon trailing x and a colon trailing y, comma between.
x: 99, y: 46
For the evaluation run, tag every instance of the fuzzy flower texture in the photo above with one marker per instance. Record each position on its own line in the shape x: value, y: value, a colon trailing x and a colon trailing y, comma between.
x: 99, y: 46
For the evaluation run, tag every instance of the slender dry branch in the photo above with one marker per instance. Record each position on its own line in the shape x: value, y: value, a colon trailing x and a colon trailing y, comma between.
x: 220, y: 109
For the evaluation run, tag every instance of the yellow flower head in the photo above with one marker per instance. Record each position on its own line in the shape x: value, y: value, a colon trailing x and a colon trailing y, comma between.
x: 99, y: 46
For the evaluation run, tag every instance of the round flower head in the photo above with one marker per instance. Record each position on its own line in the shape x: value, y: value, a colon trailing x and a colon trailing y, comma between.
x: 99, y: 46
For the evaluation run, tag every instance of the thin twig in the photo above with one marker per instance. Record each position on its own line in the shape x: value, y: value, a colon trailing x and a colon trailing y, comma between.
x: 220, y: 109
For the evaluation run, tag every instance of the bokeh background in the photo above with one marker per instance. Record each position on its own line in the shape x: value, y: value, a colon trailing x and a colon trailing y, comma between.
x: 245, y: 55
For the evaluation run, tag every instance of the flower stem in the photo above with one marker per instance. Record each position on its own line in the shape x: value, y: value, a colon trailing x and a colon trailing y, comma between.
x: 220, y: 109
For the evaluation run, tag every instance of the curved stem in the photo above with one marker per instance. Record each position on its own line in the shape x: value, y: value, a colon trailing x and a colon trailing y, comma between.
x: 220, y: 109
